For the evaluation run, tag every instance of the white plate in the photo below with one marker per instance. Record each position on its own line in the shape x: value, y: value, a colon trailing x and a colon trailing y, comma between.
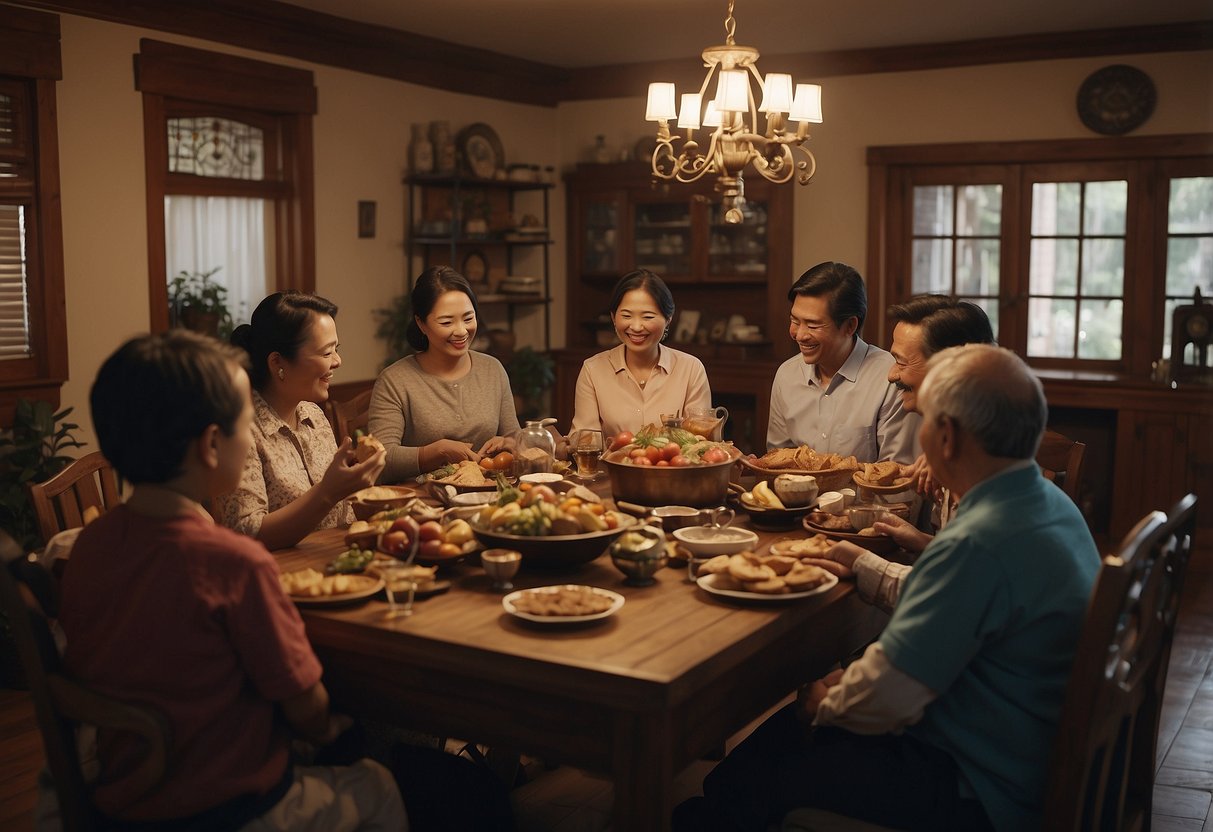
x: 508, y: 603
x: 368, y: 586
x: 708, y: 584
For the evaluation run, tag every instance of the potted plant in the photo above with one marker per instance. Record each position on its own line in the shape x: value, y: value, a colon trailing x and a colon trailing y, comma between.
x: 196, y: 302
x: 531, y: 374
x: 31, y: 451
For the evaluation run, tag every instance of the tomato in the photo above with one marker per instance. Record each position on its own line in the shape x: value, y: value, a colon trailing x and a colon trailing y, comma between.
x: 503, y: 461
x: 487, y: 464
x: 653, y: 453
x: 662, y: 463
x: 679, y: 461
x: 621, y: 439
x: 715, y: 455
x: 671, y: 450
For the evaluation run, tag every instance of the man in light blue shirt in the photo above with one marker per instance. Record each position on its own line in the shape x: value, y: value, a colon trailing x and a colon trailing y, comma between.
x: 835, y: 396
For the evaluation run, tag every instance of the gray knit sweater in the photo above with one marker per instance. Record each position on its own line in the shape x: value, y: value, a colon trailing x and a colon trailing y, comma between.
x: 411, y: 408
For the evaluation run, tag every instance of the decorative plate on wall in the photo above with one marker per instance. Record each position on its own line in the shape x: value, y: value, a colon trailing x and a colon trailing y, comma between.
x: 476, y: 267
x: 1116, y: 99
x: 480, y: 150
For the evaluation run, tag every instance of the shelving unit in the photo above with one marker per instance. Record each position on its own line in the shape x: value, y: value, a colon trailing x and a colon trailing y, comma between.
x: 439, y: 207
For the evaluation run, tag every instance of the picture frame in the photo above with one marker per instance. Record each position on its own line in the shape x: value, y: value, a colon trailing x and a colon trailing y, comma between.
x: 688, y: 323
x: 475, y: 267
x: 366, y: 219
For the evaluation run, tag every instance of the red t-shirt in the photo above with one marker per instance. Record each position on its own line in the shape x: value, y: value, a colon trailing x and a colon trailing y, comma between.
x: 188, y: 617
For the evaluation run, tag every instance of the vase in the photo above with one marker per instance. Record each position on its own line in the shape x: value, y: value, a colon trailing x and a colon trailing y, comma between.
x: 421, y: 151
x: 444, y: 146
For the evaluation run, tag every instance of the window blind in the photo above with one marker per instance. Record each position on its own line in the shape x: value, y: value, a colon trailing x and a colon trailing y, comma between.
x: 14, y: 285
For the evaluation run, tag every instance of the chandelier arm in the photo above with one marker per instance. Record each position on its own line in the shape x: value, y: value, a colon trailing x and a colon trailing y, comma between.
x: 776, y: 172
x: 810, y: 165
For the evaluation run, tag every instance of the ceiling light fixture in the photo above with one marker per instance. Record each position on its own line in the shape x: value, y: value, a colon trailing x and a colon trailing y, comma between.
x: 735, y: 142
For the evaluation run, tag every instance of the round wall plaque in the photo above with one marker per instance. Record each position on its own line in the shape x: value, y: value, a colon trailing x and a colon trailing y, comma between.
x: 1116, y: 99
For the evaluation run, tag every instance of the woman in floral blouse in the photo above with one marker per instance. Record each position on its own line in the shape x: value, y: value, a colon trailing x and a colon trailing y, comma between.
x: 296, y: 477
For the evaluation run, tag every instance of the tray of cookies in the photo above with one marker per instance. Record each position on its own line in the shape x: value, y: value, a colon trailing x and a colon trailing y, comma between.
x: 752, y: 577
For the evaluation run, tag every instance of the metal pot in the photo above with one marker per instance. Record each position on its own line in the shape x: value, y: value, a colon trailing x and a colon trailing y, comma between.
x: 699, y: 486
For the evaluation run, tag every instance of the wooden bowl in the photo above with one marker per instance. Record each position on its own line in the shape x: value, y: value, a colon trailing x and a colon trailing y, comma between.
x: 378, y: 498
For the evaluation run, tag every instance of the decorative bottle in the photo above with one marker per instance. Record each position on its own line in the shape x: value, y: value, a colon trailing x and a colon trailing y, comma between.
x: 421, y: 151
x: 444, y: 146
x: 536, y: 448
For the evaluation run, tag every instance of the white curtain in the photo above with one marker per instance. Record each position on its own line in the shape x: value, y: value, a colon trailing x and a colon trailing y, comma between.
x: 202, y: 232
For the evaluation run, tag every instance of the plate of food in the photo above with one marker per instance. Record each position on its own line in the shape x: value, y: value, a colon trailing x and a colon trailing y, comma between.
x: 309, y: 588
x: 763, y: 515
x: 463, y: 476
x: 839, y: 527
x: 831, y: 470
x: 562, y: 604
x: 814, y: 546
x: 774, y: 590
x: 886, y: 477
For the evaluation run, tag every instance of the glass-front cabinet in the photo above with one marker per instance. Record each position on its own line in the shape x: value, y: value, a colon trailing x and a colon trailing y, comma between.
x: 599, y: 241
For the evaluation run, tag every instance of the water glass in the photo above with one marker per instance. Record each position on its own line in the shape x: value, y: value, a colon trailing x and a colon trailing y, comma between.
x: 587, y: 448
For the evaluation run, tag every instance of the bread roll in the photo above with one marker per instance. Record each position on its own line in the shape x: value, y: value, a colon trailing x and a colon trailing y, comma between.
x: 366, y: 447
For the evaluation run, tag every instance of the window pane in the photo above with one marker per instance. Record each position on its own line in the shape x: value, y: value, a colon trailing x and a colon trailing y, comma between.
x: 1054, y: 267
x: 1104, y: 212
x: 1051, y: 328
x: 1099, y: 329
x: 1168, y: 308
x: 1190, y: 210
x: 932, y: 210
x: 1190, y: 264
x: 8, y: 121
x: 1055, y: 207
x: 216, y: 147
x: 14, y: 284
x: 979, y: 211
x: 977, y: 267
x: 932, y: 267
x: 990, y: 307
x: 1103, y: 267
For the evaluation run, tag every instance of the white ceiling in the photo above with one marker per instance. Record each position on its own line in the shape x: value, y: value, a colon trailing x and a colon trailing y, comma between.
x: 576, y: 33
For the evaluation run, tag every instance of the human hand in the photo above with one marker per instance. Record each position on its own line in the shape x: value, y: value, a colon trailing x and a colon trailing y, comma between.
x: 344, y: 475
x: 810, y: 696
x: 839, y: 559
x: 920, y: 475
x: 447, y: 451
x: 904, y: 534
x: 496, y: 445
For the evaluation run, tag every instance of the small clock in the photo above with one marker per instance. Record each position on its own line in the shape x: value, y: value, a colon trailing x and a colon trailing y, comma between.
x: 1116, y: 99
x: 1192, y: 341
x: 1197, y: 327
x: 480, y: 150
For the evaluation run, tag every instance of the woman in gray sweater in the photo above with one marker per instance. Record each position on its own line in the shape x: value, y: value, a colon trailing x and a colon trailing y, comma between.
x: 446, y: 403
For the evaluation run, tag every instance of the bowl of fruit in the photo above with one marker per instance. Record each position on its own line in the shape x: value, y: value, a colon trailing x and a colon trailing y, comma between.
x: 549, y: 529
x: 441, y: 543
x: 669, y: 466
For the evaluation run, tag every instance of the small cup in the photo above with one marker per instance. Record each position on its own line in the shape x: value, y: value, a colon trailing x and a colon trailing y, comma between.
x: 501, y: 565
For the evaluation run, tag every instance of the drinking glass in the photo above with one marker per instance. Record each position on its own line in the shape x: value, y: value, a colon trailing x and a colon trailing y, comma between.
x: 403, y: 566
x: 587, y: 447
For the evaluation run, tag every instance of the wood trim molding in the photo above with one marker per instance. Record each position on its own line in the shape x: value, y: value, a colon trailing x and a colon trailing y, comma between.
x: 281, y: 29
x: 29, y: 44
x: 1050, y: 150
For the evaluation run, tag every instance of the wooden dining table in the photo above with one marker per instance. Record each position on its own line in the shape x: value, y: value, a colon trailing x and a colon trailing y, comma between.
x: 636, y: 696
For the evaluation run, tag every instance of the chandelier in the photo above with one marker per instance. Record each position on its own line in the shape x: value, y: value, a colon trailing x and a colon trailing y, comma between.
x: 735, y: 142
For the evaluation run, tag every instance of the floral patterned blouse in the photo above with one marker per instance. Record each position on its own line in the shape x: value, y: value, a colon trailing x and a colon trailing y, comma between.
x: 282, y: 464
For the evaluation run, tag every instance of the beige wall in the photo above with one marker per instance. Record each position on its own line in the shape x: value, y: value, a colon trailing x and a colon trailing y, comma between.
x: 361, y: 141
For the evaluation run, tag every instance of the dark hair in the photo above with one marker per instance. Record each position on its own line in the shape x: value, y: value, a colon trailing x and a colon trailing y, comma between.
x: 945, y: 321
x: 649, y: 282
x: 432, y: 284
x: 279, y: 325
x: 158, y: 393
x: 845, y: 294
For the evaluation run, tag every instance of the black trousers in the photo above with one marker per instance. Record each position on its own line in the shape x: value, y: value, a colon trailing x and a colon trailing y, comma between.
x: 894, y: 781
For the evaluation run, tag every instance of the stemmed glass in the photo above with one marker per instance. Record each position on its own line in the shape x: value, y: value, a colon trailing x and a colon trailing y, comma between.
x: 587, y: 448
x: 403, y: 564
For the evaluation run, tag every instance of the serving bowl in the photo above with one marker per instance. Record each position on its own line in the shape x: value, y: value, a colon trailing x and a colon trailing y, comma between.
x: 378, y: 498
x: 555, y: 550
x: 697, y: 486
x: 706, y: 541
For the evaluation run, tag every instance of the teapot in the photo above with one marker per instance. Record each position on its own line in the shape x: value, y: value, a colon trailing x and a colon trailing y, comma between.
x: 706, y: 422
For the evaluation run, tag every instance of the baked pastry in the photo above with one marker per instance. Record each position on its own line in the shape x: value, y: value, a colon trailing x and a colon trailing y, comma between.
x: 366, y: 447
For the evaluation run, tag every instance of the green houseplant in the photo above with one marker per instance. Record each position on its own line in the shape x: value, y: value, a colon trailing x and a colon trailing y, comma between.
x: 531, y: 374
x: 196, y: 302
x: 31, y: 451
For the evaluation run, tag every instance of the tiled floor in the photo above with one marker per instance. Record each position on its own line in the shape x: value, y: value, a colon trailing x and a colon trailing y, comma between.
x: 567, y: 800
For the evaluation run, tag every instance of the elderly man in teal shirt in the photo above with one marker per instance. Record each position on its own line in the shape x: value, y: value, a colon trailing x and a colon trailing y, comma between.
x: 947, y: 721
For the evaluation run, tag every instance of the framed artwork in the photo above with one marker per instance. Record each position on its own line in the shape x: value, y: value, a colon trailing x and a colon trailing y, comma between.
x: 366, y: 219
x: 475, y: 267
x: 688, y: 322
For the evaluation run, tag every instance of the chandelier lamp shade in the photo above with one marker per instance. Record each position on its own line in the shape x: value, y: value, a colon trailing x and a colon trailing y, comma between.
x: 731, y: 115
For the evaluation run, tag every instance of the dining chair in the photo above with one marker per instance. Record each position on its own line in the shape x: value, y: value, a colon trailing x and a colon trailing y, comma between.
x: 351, y: 415
x: 60, y: 502
x: 62, y: 703
x: 1060, y: 458
x: 1102, y: 771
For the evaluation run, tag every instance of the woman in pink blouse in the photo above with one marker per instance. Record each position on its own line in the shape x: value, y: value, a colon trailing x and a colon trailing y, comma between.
x: 633, y: 384
x: 296, y: 477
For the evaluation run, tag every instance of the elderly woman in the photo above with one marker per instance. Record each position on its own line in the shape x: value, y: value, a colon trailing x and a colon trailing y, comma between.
x: 447, y: 402
x: 631, y: 385
x: 296, y: 477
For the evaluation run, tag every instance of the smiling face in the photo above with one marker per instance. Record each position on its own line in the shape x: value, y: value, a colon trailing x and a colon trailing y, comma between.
x: 639, y: 322
x: 307, y: 377
x: 451, y: 325
x: 910, y: 367
x: 821, y: 341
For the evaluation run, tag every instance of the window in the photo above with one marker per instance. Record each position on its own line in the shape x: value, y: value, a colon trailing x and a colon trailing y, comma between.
x: 229, y: 173
x: 1078, y: 251
x: 33, y: 332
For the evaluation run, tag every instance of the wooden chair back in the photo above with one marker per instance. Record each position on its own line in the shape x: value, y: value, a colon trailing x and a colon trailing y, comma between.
x: 1060, y: 457
x: 1102, y: 770
x: 351, y: 415
x: 62, y: 704
x: 60, y: 502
